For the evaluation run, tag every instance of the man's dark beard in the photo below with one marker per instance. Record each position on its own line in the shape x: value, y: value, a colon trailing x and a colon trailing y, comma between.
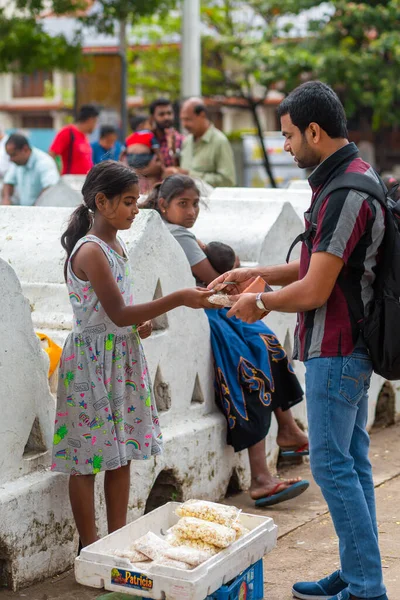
x: 163, y: 127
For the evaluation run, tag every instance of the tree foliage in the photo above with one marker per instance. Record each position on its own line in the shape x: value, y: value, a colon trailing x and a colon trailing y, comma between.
x: 25, y: 46
x: 354, y: 47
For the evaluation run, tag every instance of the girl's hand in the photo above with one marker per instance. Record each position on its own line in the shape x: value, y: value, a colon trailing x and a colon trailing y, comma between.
x: 197, y: 298
x: 145, y: 329
x: 239, y: 280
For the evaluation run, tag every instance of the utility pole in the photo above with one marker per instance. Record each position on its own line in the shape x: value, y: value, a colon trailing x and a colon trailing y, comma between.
x: 124, y: 77
x: 191, y: 49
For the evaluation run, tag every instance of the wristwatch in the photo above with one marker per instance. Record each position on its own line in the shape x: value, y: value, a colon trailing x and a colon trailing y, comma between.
x: 259, y: 302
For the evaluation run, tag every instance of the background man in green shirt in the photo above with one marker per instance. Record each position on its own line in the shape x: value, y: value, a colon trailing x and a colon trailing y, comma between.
x: 206, y: 153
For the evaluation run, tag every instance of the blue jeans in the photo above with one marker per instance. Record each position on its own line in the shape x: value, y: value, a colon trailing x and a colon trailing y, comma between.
x: 337, y: 406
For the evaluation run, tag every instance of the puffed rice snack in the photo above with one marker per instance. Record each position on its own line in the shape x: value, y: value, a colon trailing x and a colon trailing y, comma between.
x: 209, y: 511
x: 212, y: 533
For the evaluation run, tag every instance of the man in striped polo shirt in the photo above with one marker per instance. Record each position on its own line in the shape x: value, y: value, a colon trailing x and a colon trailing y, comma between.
x: 334, y: 273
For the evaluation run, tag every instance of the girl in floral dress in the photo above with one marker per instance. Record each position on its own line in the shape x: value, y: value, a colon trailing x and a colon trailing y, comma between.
x: 106, y: 414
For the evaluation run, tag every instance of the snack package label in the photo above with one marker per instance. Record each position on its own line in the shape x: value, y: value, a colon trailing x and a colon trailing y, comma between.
x: 130, y: 579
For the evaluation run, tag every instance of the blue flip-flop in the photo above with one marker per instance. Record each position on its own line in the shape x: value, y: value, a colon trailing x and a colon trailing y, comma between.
x: 288, y: 493
x: 301, y: 451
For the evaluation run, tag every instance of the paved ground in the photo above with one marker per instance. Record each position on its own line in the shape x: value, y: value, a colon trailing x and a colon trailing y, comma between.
x: 307, y: 547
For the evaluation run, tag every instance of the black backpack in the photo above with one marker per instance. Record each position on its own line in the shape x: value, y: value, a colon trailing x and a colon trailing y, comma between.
x: 380, y: 328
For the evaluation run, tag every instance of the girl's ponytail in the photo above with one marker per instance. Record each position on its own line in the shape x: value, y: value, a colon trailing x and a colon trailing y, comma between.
x: 79, y: 224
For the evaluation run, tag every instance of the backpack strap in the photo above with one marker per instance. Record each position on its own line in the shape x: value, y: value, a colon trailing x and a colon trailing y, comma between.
x: 70, y: 150
x: 356, y: 181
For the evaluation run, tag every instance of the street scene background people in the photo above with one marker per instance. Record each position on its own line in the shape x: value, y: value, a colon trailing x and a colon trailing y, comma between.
x: 31, y: 172
x: 72, y: 143
x: 107, y: 147
x: 206, y: 153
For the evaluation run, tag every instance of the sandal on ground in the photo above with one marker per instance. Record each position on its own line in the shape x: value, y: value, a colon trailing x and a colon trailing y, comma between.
x: 275, y: 497
x: 301, y: 451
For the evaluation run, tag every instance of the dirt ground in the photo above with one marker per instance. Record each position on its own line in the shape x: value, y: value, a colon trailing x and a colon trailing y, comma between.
x: 307, y: 546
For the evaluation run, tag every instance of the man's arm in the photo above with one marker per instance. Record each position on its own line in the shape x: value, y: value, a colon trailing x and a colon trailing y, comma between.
x: 308, y: 293
x: 6, y: 195
x: 280, y: 274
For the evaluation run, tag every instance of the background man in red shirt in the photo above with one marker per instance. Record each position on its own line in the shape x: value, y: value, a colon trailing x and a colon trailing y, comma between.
x: 72, y: 143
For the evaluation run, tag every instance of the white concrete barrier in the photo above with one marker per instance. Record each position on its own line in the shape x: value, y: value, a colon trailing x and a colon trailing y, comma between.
x: 259, y: 231
x: 60, y: 194
x: 298, y: 197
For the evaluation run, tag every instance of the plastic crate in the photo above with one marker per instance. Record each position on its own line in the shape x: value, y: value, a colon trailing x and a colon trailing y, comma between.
x: 249, y: 585
x: 98, y: 567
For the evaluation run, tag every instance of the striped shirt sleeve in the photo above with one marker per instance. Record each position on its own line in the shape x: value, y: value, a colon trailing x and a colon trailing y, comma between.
x: 342, y: 221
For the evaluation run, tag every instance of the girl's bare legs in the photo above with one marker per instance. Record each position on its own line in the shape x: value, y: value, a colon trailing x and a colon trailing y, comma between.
x: 81, y: 495
x: 289, y: 433
x: 262, y: 481
x: 116, y: 491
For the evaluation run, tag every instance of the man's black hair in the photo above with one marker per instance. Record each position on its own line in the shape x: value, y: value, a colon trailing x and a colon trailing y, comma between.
x: 159, y: 102
x: 221, y: 256
x: 18, y: 140
x: 137, y: 120
x: 86, y: 112
x: 315, y: 102
x: 107, y: 130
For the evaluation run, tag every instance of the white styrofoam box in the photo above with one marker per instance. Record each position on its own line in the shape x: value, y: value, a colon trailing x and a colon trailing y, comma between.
x: 96, y: 562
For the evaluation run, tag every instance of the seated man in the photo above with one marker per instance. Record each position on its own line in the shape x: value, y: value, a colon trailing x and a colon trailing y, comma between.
x: 107, y: 147
x: 31, y: 172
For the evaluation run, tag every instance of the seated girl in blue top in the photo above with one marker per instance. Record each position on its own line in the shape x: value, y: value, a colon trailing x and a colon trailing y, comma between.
x: 253, y: 376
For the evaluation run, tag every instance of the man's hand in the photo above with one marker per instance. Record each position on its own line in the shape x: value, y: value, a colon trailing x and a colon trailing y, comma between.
x: 245, y: 309
x: 145, y: 330
x: 239, y: 280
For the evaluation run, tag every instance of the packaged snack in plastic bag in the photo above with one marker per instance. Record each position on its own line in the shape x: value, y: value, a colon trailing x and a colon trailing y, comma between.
x: 131, y: 554
x: 150, y: 545
x: 188, y: 555
x: 209, y: 511
x: 212, y: 533
x: 169, y: 562
x: 143, y: 566
x: 239, y: 529
x: 176, y: 540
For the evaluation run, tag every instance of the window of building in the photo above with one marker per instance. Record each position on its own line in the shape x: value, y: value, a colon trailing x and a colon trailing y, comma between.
x: 32, y: 85
x: 36, y: 122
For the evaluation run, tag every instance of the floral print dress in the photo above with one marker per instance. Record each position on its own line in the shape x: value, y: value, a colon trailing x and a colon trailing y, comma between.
x: 106, y: 414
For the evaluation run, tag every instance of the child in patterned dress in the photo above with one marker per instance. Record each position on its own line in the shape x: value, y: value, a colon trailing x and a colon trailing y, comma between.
x: 106, y: 415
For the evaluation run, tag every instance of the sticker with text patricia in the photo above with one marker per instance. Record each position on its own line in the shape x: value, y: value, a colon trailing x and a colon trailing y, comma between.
x: 138, y: 581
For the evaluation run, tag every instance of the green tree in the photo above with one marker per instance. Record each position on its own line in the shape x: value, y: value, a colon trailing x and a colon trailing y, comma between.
x: 26, y: 47
x: 354, y: 47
